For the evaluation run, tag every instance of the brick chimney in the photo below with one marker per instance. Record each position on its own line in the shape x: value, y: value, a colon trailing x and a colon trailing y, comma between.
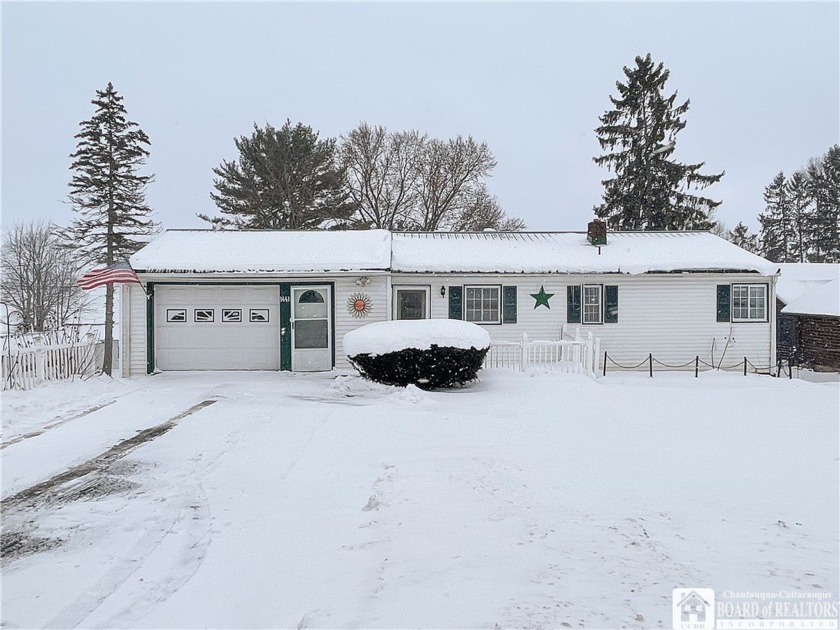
x: 596, y: 232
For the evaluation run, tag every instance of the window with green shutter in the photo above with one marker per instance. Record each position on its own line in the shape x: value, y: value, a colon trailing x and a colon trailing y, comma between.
x: 593, y: 299
x: 509, y: 305
x: 749, y: 303
x: 610, y: 304
x: 573, y: 304
x: 482, y: 304
x: 723, y: 302
x: 456, y: 302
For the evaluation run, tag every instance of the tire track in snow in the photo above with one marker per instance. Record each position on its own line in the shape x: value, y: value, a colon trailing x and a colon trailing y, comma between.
x: 35, y: 494
x: 162, y: 562
x: 179, y: 539
x: 55, y: 424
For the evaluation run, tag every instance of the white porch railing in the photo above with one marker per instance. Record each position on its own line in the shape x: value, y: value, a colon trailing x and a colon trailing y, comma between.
x: 28, y: 367
x: 577, y: 355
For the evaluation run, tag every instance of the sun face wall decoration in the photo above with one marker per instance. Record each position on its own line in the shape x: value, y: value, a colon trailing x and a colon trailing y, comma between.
x: 359, y: 305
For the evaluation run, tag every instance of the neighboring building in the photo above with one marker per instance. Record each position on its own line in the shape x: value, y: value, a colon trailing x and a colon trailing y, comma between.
x: 808, y: 307
x: 222, y: 300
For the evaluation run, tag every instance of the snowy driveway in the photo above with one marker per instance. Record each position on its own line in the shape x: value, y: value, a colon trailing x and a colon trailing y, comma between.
x: 299, y: 501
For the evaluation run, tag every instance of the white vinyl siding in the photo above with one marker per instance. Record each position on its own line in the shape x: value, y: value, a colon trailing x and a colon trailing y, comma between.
x: 133, y: 341
x: 345, y: 287
x: 672, y: 316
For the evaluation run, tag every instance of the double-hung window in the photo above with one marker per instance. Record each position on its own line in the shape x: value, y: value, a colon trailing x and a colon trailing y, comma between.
x: 749, y: 302
x: 592, y: 301
x: 482, y: 304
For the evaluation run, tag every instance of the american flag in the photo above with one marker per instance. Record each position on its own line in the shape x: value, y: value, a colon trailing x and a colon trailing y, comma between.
x: 119, y: 272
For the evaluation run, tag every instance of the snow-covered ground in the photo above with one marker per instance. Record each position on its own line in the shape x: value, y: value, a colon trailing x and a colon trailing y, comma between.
x: 321, y: 500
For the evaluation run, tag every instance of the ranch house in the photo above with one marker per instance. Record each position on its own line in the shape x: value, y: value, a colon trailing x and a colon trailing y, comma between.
x: 283, y: 300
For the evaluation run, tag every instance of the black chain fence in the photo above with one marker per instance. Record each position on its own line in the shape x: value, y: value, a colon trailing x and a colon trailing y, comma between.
x: 782, y: 367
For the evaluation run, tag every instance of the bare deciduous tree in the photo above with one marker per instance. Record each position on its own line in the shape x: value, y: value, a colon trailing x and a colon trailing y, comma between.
x: 382, y: 169
x: 39, y: 277
x: 448, y: 173
x: 408, y: 181
x: 483, y: 212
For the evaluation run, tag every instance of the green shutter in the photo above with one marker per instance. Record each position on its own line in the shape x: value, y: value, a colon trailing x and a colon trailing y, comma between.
x: 573, y: 304
x: 509, y: 305
x: 285, y: 327
x: 456, y: 302
x: 611, y: 304
x: 723, y: 303
x: 150, y: 327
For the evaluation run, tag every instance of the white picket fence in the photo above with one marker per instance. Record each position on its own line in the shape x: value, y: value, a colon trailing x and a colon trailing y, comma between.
x: 577, y: 355
x: 28, y: 367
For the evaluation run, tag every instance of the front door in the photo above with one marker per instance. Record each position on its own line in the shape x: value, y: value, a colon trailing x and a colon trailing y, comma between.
x: 311, y: 330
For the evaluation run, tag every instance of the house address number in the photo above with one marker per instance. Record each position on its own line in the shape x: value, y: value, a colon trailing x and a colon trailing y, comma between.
x: 285, y: 298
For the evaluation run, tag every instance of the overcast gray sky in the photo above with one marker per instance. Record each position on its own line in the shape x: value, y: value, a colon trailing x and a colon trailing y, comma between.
x: 528, y: 79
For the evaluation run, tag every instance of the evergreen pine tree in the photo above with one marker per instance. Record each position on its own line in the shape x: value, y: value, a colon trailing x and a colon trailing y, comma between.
x: 777, y: 234
x: 741, y: 237
x: 798, y: 194
x: 649, y: 190
x: 814, y: 174
x: 825, y: 228
x: 284, y: 179
x: 108, y: 193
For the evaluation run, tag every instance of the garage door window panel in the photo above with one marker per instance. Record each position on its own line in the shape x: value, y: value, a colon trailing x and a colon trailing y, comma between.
x: 203, y: 315
x: 176, y: 315
x: 232, y: 315
x: 258, y: 315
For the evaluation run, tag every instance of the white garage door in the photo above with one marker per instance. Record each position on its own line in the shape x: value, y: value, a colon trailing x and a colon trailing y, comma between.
x: 217, y: 327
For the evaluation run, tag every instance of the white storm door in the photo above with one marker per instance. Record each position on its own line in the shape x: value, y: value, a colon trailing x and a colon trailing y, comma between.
x: 311, y: 329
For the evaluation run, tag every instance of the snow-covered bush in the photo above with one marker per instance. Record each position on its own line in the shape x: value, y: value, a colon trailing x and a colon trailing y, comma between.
x: 429, y: 353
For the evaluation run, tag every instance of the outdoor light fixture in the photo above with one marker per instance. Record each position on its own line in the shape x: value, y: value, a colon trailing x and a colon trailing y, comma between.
x: 363, y: 281
x: 442, y: 291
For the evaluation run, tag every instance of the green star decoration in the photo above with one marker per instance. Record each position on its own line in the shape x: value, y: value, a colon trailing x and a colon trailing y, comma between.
x: 542, y: 298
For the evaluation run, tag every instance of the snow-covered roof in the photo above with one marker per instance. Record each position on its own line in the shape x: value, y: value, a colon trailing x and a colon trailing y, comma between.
x: 229, y: 251
x: 570, y: 252
x: 799, y: 278
x: 265, y: 251
x: 821, y: 300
